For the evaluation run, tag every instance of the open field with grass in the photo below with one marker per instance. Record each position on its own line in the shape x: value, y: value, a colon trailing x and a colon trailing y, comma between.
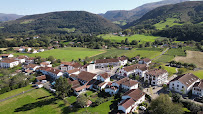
x: 66, y: 54
x: 37, y: 101
x: 170, y: 55
x: 169, y: 22
x: 198, y: 73
x: 194, y: 57
x: 137, y: 37
x: 14, y: 92
x: 171, y: 70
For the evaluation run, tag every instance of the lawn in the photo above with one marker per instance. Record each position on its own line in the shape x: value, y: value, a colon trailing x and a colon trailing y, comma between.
x: 66, y: 54
x: 195, y: 57
x: 104, y: 108
x: 36, y: 101
x: 14, y: 92
x: 170, y: 70
x: 197, y: 73
x: 137, y: 37
x: 71, y: 99
x: 169, y: 21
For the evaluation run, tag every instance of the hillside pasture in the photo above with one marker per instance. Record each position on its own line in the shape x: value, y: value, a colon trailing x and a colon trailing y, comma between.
x: 66, y: 54
x: 137, y: 37
x: 198, y: 73
x: 169, y: 22
x: 194, y: 57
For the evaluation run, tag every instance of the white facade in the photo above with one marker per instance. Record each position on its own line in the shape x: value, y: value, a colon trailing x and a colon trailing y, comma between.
x: 124, y: 62
x: 90, y: 67
x: 129, y: 88
x: 180, y: 87
x: 139, y: 72
x: 197, y: 91
x: 102, y: 79
x: 9, y: 65
x: 156, y: 80
x: 111, y: 91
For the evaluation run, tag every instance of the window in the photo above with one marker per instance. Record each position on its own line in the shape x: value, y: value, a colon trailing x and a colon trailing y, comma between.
x: 173, y: 84
x: 182, y: 86
x: 177, y: 85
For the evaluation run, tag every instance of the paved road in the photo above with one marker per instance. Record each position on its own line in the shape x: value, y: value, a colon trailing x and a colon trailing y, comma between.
x: 17, y: 94
x: 161, y: 54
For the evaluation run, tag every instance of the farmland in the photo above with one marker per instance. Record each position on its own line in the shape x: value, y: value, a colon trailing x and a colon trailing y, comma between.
x: 141, y: 38
x: 198, y: 73
x: 66, y: 54
x: 169, y: 22
x: 194, y: 57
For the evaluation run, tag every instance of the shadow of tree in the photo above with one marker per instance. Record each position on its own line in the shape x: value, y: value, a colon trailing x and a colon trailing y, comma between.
x: 31, y: 106
x: 44, y: 97
x: 69, y: 109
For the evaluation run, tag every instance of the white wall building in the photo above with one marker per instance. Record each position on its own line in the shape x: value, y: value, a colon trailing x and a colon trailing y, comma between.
x: 198, y: 88
x: 137, y: 69
x: 184, y: 83
x: 9, y: 63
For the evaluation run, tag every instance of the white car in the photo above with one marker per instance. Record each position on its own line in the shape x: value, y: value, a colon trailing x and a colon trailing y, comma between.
x: 142, y: 108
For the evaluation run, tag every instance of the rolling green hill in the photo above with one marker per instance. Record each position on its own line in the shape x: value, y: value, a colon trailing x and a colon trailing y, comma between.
x: 59, y: 22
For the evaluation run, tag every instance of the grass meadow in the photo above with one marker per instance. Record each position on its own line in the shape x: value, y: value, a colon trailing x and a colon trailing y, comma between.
x: 137, y: 37
x: 169, y: 21
x: 66, y: 54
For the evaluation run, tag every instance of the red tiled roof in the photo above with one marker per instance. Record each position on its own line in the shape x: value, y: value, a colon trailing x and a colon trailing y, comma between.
x: 106, y: 60
x: 122, y: 58
x: 72, y: 71
x: 142, y: 67
x: 87, y: 76
x: 4, y: 55
x: 31, y: 66
x: 156, y: 72
x: 105, y: 75
x: 136, y: 94
x: 127, y: 103
x: 8, y: 60
x: 73, y: 64
x: 146, y: 60
x: 186, y: 79
x: 130, y: 83
x: 43, y: 77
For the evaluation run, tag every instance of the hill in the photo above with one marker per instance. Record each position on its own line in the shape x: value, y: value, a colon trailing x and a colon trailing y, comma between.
x: 59, y: 22
x: 183, y: 21
x: 134, y: 14
x: 9, y: 17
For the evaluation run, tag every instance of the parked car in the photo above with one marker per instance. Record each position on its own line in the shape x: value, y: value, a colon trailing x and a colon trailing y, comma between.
x: 142, y: 108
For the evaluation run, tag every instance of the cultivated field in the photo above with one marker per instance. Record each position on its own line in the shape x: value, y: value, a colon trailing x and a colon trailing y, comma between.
x: 66, y: 54
x: 192, y: 57
x: 137, y: 37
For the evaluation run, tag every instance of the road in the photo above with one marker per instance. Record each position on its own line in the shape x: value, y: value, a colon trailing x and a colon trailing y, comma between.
x: 161, y: 54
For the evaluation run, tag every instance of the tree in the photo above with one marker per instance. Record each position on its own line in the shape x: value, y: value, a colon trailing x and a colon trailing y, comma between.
x: 82, y: 100
x: 134, y: 42
x: 176, y: 97
x: 1, y: 51
x: 164, y: 105
x: 62, y: 87
x: 127, y: 41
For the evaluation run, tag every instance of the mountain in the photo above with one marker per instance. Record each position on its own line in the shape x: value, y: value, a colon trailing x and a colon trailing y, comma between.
x: 9, y: 17
x: 178, y: 14
x: 59, y: 22
x: 131, y: 15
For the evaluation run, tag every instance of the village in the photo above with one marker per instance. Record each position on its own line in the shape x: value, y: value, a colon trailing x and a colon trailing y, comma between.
x: 137, y: 83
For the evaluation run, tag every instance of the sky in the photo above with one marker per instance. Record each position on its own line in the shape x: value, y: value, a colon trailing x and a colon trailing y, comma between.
x: 28, y: 7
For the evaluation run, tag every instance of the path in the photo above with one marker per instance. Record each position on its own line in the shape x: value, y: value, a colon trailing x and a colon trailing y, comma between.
x: 161, y: 54
x: 17, y: 94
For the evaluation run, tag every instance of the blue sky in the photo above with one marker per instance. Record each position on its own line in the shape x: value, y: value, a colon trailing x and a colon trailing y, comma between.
x: 27, y: 7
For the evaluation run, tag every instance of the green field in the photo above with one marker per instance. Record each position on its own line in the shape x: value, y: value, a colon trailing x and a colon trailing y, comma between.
x: 141, y: 38
x: 66, y: 54
x: 40, y: 101
x: 37, y: 101
x: 170, y: 70
x: 197, y: 73
x: 171, y: 54
x: 169, y: 21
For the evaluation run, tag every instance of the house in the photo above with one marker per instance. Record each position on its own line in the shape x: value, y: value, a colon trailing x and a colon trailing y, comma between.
x: 126, y: 83
x: 88, y: 67
x: 52, y: 72
x: 198, y: 88
x: 34, y: 51
x: 112, y: 90
x: 85, y: 77
x: 30, y: 60
x: 184, y: 83
x: 76, y: 86
x: 123, y: 60
x: 65, y: 66
x: 21, y: 59
x: 24, y: 49
x: 31, y: 67
x: 146, y: 61
x: 40, y: 78
x: 105, y: 77
x: 41, y: 50
x: 156, y: 77
x: 6, y: 56
x: 130, y: 100
x: 46, y: 64
x: 137, y: 69
x: 103, y: 63
x: 9, y: 63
